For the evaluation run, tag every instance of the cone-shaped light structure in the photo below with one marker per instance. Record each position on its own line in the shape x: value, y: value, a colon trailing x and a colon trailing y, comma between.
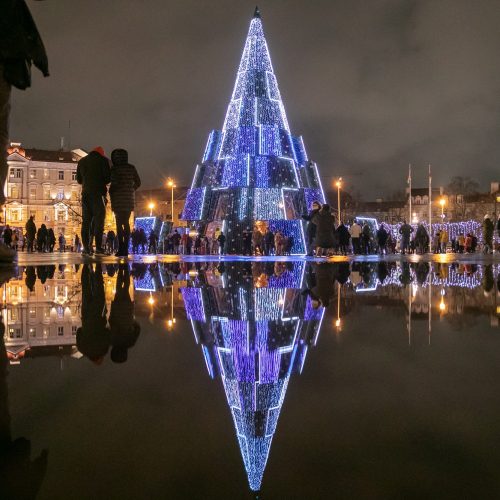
x: 254, y: 174
x: 254, y: 336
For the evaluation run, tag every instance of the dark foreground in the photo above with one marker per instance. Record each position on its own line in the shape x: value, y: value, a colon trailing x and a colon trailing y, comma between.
x: 236, y: 377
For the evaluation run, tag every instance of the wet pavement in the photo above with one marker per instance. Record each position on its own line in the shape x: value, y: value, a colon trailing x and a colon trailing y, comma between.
x: 244, y: 377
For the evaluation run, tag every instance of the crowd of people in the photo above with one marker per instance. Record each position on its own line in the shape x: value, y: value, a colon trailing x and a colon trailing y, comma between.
x: 41, y: 240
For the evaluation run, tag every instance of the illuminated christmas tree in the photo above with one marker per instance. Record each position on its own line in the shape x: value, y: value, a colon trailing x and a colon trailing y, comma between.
x: 254, y: 328
x: 254, y: 172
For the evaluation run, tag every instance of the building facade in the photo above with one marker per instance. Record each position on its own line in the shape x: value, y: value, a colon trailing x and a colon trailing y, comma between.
x: 43, y: 184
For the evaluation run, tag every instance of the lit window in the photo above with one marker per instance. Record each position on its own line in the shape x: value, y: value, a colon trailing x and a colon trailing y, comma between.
x: 60, y: 330
x: 61, y: 175
x: 32, y: 332
x: 33, y: 192
x: 33, y: 174
x: 73, y: 175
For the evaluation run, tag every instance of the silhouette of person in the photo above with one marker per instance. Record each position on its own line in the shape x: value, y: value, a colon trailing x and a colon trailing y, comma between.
x: 93, y: 337
x: 30, y: 278
x: 124, y: 329
x: 20, y: 477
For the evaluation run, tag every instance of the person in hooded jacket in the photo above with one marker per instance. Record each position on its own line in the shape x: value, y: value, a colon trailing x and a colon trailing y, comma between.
x: 93, y: 173
x: 311, y: 228
x: 325, y: 228
x: 124, y: 182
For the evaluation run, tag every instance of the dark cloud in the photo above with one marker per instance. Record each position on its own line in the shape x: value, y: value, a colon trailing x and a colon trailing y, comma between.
x: 372, y: 85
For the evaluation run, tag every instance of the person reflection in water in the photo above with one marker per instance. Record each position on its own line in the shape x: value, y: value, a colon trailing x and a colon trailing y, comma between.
x: 20, y: 477
x: 93, y: 337
x: 320, y: 284
x: 124, y: 329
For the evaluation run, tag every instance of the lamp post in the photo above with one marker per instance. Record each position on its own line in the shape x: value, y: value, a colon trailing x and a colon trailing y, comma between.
x: 338, y: 184
x: 442, y: 202
x: 171, y: 185
x: 151, y: 206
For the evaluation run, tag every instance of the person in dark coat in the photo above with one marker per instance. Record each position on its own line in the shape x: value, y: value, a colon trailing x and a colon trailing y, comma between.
x: 311, y: 228
x: 382, y: 237
x: 30, y: 233
x: 268, y: 242
x: 93, y: 173
x: 344, y: 237
x: 42, y: 237
x: 124, y: 182
x: 93, y: 337
x: 405, y: 231
x: 7, y: 235
x: 124, y: 329
x: 20, y: 47
x: 51, y: 240
x: 325, y: 228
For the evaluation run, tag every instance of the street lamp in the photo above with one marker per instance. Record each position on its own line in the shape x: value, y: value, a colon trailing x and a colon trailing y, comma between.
x: 171, y: 185
x: 151, y: 206
x: 442, y: 202
x: 338, y: 184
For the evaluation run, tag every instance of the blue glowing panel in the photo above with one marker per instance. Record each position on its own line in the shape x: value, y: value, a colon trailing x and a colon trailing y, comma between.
x: 268, y: 204
x: 300, y: 150
x: 262, y: 179
x: 193, y: 302
x: 291, y: 229
x: 270, y: 143
x: 145, y: 283
x: 290, y: 278
x: 312, y: 195
x: 147, y: 223
x: 236, y: 171
x: 213, y: 146
x: 193, y: 208
x: 268, y: 303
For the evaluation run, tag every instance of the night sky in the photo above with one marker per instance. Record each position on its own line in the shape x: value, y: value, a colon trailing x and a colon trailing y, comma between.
x: 371, y: 85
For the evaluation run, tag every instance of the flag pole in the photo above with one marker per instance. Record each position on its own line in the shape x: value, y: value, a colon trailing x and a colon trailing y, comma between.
x: 430, y: 203
x: 409, y: 197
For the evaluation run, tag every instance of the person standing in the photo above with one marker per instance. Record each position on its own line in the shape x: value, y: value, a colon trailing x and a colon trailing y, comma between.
x: 488, y: 230
x: 311, y: 228
x: 221, y: 240
x: 268, y: 242
x: 7, y: 236
x: 51, y: 240
x: 355, y: 232
x: 124, y: 182
x: 62, y: 242
x: 325, y: 229
x: 444, y: 238
x: 343, y: 238
x: 93, y: 173
x: 405, y: 231
x: 382, y: 236
x: 30, y: 233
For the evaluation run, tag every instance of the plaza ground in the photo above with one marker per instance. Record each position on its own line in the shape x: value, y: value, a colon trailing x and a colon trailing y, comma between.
x: 26, y: 259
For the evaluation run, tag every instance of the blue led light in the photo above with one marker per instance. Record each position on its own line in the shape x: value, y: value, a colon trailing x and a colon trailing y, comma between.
x: 193, y: 208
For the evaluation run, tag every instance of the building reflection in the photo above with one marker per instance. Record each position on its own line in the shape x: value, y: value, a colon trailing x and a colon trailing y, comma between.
x: 254, y: 325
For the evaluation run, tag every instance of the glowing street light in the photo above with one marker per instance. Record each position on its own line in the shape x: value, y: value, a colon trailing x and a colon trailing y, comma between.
x: 442, y: 202
x: 171, y: 185
x: 338, y: 185
x: 151, y: 207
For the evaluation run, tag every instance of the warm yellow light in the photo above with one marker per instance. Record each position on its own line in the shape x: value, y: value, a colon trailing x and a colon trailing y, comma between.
x: 151, y: 301
x: 442, y: 202
x: 337, y: 322
x: 338, y: 184
x: 170, y: 184
x: 170, y: 323
x: 442, y: 305
x: 151, y: 206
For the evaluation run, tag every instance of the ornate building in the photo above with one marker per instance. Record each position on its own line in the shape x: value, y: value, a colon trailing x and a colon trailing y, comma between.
x: 43, y: 184
x: 254, y: 173
x: 255, y: 327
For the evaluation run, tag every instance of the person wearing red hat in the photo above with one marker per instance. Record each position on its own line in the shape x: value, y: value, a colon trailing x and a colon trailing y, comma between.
x: 93, y: 173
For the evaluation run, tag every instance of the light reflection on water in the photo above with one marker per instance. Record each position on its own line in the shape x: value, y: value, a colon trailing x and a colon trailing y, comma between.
x: 254, y: 324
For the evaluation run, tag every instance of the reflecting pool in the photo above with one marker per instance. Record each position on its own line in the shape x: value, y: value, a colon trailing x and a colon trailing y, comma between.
x: 237, y: 379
